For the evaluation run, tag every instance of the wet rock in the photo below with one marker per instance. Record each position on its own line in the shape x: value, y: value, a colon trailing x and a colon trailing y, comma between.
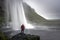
x: 22, y: 36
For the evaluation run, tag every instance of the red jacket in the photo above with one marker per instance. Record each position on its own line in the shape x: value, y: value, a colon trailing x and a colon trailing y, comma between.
x: 22, y: 27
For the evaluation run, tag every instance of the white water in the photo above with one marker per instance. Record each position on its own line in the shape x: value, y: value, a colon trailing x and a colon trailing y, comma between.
x: 15, y: 8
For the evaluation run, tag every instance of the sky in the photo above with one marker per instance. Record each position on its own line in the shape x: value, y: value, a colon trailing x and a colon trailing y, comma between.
x: 49, y: 9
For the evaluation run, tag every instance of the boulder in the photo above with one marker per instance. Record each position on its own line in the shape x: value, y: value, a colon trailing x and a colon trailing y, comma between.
x: 22, y: 36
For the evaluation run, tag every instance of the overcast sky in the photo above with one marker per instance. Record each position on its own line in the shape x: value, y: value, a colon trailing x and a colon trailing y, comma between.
x: 49, y: 9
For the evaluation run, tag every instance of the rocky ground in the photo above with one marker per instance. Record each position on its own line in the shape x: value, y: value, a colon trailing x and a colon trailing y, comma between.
x: 22, y: 36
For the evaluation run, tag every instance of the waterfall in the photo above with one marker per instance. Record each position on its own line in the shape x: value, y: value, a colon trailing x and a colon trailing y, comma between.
x: 27, y: 25
x: 16, y: 11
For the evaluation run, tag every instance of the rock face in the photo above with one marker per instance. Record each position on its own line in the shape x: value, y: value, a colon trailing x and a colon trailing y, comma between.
x: 31, y: 15
x: 22, y: 36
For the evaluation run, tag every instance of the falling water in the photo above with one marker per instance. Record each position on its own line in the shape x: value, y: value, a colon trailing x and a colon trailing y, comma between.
x: 28, y: 26
x: 16, y: 11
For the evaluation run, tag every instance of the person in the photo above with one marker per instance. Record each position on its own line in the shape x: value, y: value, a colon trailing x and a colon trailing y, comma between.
x: 23, y: 36
x: 22, y: 28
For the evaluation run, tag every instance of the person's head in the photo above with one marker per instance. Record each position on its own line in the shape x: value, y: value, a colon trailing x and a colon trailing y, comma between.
x: 22, y: 26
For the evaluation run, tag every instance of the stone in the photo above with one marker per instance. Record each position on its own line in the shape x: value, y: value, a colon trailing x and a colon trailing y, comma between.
x: 22, y: 36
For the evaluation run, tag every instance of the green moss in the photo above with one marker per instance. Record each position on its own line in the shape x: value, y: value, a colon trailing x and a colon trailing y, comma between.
x: 2, y: 36
x: 2, y: 17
